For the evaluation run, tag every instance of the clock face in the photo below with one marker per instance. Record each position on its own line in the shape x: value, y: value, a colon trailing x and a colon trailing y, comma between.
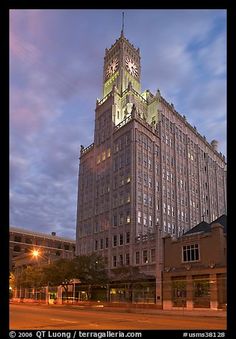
x: 131, y: 66
x: 112, y: 67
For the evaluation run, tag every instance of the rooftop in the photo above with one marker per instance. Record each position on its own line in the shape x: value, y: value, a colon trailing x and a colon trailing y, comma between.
x: 39, y: 234
x: 204, y: 227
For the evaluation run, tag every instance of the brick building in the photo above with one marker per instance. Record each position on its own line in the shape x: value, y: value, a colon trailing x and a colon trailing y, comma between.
x: 147, y: 173
x: 195, y: 269
x: 50, y: 247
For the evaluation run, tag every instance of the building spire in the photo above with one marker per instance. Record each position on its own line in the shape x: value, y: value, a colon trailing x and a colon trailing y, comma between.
x: 122, y: 30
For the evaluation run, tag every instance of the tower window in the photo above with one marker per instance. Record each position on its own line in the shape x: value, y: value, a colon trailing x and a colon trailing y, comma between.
x: 114, y: 240
x: 127, y: 237
x: 137, y: 258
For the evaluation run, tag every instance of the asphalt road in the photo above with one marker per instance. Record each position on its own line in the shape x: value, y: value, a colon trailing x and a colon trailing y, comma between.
x: 50, y: 317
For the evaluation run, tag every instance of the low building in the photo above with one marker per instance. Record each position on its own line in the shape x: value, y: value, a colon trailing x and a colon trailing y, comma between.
x: 48, y: 247
x: 195, y: 267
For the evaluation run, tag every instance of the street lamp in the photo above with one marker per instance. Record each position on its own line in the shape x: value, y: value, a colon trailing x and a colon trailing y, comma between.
x: 36, y: 254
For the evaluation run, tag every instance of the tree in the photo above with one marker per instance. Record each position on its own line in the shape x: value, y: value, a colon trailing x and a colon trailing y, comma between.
x: 90, y: 269
x: 31, y: 276
x: 12, y: 282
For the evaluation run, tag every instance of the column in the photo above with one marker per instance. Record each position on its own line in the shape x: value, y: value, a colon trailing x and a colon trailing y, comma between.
x: 213, y: 292
x: 189, y: 292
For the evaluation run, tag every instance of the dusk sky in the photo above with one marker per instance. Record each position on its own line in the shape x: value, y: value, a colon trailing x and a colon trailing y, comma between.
x: 56, y: 71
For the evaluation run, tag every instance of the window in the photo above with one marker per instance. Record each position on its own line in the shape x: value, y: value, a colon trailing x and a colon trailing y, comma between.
x: 145, y: 256
x: 139, y: 217
x: 106, y: 243
x: 17, y: 238
x: 149, y: 164
x: 190, y: 253
x: 145, y: 179
x: 145, y: 220
x: 137, y: 258
x: 96, y: 245
x: 150, y: 182
x: 145, y: 199
x: 128, y: 217
x: 17, y: 248
x: 121, y: 259
x: 114, y: 261
x: 127, y: 261
x: 114, y: 220
x: 127, y: 237
x: 150, y: 220
x: 101, y: 244
x: 115, y: 240
x: 153, y: 254
x: 121, y: 239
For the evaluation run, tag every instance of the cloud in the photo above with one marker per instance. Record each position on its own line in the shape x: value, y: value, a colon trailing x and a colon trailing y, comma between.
x: 56, y: 62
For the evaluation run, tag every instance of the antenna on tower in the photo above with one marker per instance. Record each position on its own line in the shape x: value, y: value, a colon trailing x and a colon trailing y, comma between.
x: 122, y: 30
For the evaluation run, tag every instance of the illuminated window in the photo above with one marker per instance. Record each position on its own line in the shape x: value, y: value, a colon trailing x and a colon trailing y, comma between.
x: 150, y: 182
x: 128, y: 218
x: 150, y: 220
x: 145, y: 220
x: 108, y: 152
x: 98, y: 159
x: 103, y: 156
x: 139, y: 217
x: 145, y: 256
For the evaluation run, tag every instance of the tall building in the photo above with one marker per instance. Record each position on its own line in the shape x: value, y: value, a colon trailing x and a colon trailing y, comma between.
x: 148, y: 172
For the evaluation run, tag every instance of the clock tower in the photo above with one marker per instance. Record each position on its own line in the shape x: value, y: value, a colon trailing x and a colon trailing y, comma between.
x: 121, y: 66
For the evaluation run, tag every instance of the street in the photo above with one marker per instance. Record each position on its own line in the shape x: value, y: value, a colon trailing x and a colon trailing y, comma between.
x: 39, y: 317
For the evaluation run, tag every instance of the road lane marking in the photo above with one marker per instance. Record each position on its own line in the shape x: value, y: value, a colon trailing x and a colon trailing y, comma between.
x: 66, y: 321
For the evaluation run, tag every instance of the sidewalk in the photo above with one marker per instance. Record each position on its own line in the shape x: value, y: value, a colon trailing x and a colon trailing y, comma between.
x: 130, y: 309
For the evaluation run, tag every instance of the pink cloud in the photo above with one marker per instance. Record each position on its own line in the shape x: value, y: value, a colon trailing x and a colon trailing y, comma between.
x: 22, y: 50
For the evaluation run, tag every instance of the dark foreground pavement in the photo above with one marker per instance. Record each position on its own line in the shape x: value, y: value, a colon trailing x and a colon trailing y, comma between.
x: 40, y: 316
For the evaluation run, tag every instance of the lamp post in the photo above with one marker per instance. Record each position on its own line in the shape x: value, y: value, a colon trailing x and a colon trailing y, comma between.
x: 36, y: 255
